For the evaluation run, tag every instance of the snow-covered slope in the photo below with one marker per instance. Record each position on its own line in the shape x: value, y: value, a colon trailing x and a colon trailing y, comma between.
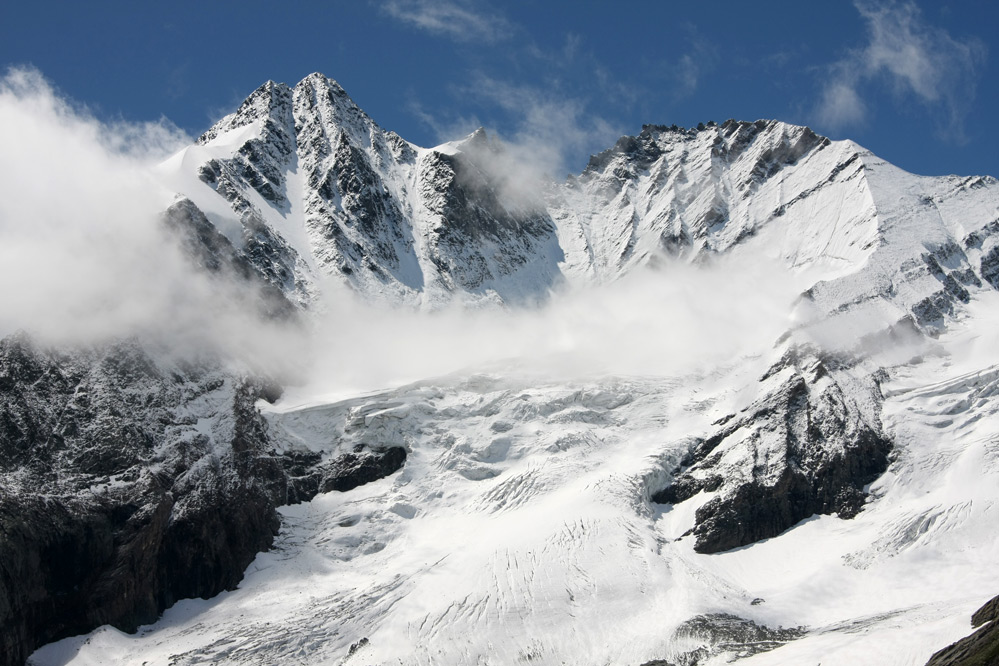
x: 521, y: 529
x: 826, y: 496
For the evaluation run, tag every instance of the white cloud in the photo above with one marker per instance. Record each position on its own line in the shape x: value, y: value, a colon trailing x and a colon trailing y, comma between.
x: 841, y: 105
x: 461, y: 20
x: 547, y: 127
x: 915, y: 59
x: 84, y: 257
x: 669, y: 322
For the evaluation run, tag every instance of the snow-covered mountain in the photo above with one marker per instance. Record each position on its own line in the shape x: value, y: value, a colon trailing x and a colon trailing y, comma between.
x: 312, y: 189
x: 827, y: 496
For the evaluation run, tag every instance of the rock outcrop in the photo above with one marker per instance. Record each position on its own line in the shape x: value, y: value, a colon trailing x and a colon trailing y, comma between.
x: 980, y: 648
x: 128, y: 482
x: 808, y: 446
x: 720, y: 634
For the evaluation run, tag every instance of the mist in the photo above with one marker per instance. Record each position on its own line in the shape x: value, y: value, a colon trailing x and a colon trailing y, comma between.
x: 84, y: 255
x: 667, y: 322
x: 86, y: 259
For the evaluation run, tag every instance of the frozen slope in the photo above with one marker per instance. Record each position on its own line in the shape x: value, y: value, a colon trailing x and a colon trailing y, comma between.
x: 697, y: 192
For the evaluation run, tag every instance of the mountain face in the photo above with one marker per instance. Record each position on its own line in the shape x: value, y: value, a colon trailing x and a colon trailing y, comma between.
x: 130, y: 484
x: 348, y: 200
x: 827, y: 497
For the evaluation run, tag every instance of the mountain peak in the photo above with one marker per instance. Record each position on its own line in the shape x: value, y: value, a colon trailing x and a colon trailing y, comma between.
x: 324, y: 101
x: 175, y: 469
x: 321, y: 81
x: 272, y: 100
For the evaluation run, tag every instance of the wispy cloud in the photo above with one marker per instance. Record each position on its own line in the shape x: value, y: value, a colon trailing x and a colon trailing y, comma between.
x: 700, y: 58
x: 841, y: 105
x: 461, y: 20
x: 547, y: 126
x: 915, y: 59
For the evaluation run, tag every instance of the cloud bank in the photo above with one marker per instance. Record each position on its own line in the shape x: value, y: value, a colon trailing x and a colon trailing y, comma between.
x: 84, y: 255
x: 654, y: 322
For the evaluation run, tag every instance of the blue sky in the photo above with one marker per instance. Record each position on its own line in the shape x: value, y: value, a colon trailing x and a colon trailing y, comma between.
x: 913, y: 81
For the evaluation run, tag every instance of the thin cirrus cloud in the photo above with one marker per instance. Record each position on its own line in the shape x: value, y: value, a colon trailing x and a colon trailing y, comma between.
x: 460, y: 20
x: 914, y: 58
x: 699, y: 60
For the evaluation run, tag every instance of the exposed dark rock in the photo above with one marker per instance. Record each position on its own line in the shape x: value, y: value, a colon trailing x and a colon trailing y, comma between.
x: 261, y: 164
x: 952, y: 268
x: 351, y: 470
x: 261, y: 161
x: 262, y: 269
x: 365, y: 205
x: 990, y: 267
x: 931, y: 311
x: 308, y: 476
x: 980, y: 648
x: 484, y: 233
x: 722, y: 633
x: 976, y: 238
x: 788, y: 151
x: 274, y: 261
x: 987, y: 613
x: 641, y: 151
x: 811, y: 450
x: 128, y: 482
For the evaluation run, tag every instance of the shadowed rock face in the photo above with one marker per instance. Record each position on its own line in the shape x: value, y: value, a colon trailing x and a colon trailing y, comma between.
x: 484, y: 234
x: 128, y: 483
x: 980, y: 648
x: 804, y: 448
x: 258, y: 267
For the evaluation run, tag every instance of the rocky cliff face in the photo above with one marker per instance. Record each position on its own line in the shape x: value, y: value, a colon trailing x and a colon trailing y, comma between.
x: 127, y: 486
x: 807, y: 446
x: 981, y: 647
x: 130, y: 482
x: 311, y: 178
